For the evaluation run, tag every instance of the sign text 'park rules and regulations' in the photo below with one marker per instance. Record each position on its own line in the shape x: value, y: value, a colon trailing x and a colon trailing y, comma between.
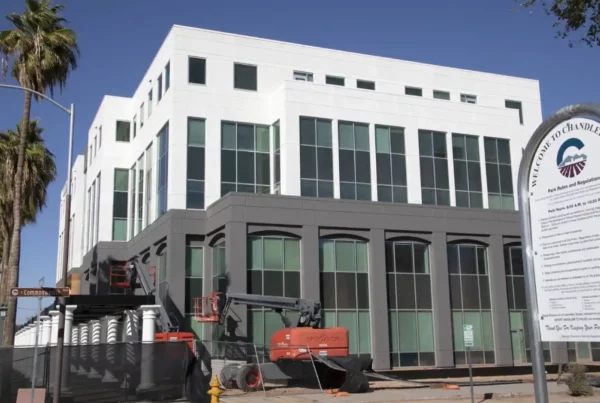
x: 564, y: 192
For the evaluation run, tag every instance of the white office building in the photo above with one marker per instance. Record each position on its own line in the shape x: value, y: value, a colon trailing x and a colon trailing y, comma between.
x: 315, y: 146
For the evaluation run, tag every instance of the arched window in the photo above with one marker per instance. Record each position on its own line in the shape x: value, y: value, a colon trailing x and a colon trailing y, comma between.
x: 409, y: 302
x: 273, y: 269
x: 470, y: 302
x: 345, y: 289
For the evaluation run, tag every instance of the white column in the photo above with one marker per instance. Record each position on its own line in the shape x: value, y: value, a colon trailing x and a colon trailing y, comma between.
x: 54, y: 330
x: 75, y: 353
x: 147, y: 358
x: 132, y: 327
x: 31, y: 335
x: 46, y: 329
x: 148, y: 322
x: 95, y: 356
x: 112, y: 324
x: 69, y: 323
x: 83, y: 348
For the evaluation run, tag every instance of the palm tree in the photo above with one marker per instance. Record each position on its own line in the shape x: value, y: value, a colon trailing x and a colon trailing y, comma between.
x: 39, y: 170
x: 42, y: 52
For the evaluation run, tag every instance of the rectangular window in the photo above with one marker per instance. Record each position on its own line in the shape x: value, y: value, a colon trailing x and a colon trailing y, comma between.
x: 120, y: 197
x: 134, y: 124
x: 142, y: 115
x: 417, y: 92
x: 277, y: 156
x: 196, y: 70
x: 167, y: 76
x: 194, y: 270
x: 433, y: 161
x: 355, y: 161
x: 365, y: 85
x: 273, y: 269
x: 140, y: 194
x: 99, y: 137
x: 220, y: 279
x: 148, y: 182
x: 97, y: 218
x: 391, y: 164
x: 441, y: 95
x: 123, y: 130
x: 163, y: 171
x: 93, y: 214
x: 468, y: 98
x: 470, y: 302
x: 515, y: 105
x: 132, y: 197
x: 95, y: 145
x: 499, y: 174
x: 244, y: 77
x: 160, y: 88
x: 150, y: 102
x: 316, y: 158
x: 195, y: 163
x: 88, y: 234
x: 91, y: 155
x: 245, y: 158
x: 467, y: 171
x: 334, y: 80
x: 410, y: 312
x: 303, y: 76
x: 344, y: 290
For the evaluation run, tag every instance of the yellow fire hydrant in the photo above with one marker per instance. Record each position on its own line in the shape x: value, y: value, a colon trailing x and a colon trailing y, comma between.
x: 215, y: 389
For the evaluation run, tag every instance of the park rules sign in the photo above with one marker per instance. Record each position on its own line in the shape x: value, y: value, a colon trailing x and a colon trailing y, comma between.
x: 564, y: 207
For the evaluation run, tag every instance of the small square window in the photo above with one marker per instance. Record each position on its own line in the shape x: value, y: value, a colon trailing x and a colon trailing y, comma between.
x: 303, y: 76
x: 123, y: 129
x: 417, y: 92
x: 441, y: 95
x: 335, y: 80
x: 244, y: 77
x: 468, y: 98
x: 365, y: 85
x: 515, y: 105
x: 197, y: 70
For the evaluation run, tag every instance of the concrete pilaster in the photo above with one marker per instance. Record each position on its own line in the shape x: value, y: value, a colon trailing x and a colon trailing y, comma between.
x: 378, y: 307
x: 440, y: 294
x: 499, y: 302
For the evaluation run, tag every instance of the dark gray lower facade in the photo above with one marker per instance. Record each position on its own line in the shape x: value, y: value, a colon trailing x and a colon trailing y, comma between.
x: 233, y: 219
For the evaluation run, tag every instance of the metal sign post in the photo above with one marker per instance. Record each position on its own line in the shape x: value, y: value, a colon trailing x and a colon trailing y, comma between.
x: 35, y: 347
x: 469, y: 342
x: 559, y: 203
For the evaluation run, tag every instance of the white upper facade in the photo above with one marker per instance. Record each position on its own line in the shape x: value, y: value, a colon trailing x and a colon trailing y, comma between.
x: 394, y: 120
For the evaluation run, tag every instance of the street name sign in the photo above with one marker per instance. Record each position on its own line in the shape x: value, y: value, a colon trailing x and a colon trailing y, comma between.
x: 468, y: 336
x: 40, y: 292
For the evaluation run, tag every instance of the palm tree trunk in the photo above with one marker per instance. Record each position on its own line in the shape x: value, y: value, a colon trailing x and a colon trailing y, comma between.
x: 5, y: 255
x: 15, y: 242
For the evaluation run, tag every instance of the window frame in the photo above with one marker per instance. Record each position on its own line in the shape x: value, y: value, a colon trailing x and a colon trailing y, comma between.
x: 328, y: 79
x: 255, y: 67
x: 439, y: 92
x: 363, y: 82
x: 467, y: 98
x: 303, y: 76
x: 413, y: 91
x: 190, y: 58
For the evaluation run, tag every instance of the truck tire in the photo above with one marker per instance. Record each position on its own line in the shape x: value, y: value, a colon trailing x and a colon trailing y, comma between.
x: 227, y: 375
x: 249, y: 378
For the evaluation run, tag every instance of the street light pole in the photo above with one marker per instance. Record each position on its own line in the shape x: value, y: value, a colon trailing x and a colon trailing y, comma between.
x: 67, y: 224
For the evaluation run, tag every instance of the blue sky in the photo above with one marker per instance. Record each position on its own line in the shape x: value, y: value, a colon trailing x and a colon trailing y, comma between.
x: 118, y: 39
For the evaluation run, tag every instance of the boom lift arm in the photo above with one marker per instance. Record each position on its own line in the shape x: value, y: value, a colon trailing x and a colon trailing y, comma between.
x: 135, y: 272
x: 310, y: 311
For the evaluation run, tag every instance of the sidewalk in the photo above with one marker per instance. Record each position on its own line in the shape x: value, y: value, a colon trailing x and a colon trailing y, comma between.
x: 516, y: 393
